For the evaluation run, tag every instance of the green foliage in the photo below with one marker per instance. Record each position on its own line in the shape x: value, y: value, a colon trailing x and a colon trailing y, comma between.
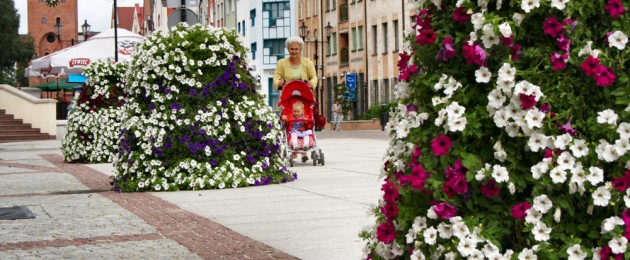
x: 14, y: 49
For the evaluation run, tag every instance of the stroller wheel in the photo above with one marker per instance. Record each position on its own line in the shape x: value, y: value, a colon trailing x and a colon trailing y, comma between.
x: 321, y: 158
x: 314, y: 157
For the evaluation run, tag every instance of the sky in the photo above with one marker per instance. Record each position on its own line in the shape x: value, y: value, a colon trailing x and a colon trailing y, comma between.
x: 97, y: 13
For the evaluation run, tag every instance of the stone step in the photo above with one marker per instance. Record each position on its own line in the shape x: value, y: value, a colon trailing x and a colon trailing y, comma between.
x: 14, y: 126
x: 10, y: 121
x: 25, y: 137
x: 19, y: 131
x: 5, y: 116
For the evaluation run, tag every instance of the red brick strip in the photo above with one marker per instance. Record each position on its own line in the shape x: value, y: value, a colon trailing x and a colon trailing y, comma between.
x: 78, y: 241
x: 201, y: 236
x: 30, y: 167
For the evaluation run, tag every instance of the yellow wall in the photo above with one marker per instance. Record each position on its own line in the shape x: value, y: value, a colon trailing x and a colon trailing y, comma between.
x: 40, y: 113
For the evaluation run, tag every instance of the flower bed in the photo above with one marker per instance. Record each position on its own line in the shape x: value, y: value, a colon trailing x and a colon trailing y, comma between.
x: 511, y: 135
x: 94, y: 124
x: 194, y: 118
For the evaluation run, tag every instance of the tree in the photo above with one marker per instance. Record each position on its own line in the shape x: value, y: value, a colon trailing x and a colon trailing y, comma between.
x: 14, y: 49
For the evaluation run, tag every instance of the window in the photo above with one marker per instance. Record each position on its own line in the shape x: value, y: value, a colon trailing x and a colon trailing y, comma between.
x: 252, y: 17
x: 334, y: 5
x: 44, y: 21
x: 276, y: 11
x: 396, y: 37
x: 334, y: 37
x: 374, y: 40
x: 360, y: 37
x: 243, y: 25
x: 253, y: 50
x: 354, y: 39
x: 273, y: 50
x: 238, y: 28
x: 385, y: 47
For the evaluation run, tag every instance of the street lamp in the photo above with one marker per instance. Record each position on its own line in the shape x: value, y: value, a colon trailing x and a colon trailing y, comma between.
x: 86, y: 30
x: 58, y: 31
x: 303, y: 29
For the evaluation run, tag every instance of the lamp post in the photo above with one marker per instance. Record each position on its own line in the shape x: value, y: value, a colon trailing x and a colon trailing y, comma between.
x: 115, y: 31
x: 303, y: 29
x: 58, y: 30
x: 85, y: 28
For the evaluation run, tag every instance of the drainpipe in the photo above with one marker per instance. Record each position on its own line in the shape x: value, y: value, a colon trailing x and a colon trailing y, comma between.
x: 366, y: 95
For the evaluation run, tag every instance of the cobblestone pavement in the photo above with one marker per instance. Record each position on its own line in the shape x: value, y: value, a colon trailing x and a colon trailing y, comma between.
x: 78, y: 217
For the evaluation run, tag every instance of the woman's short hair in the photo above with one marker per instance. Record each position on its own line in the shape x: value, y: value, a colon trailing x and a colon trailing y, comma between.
x: 295, y: 39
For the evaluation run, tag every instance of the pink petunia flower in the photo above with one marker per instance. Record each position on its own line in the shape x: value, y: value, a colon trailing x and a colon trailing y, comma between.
x: 559, y: 61
x: 567, y: 128
x: 519, y: 210
x: 552, y: 27
x: 614, y: 8
x: 386, y: 232
x: 445, y: 210
x: 426, y: 37
x: 603, y: 76
x: 461, y: 16
x: 490, y: 189
x: 527, y: 101
x: 441, y: 145
x: 447, y: 51
x: 564, y: 43
x: 455, y: 185
x: 589, y: 65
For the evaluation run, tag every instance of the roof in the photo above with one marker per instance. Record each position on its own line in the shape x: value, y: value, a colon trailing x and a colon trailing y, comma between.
x: 125, y: 17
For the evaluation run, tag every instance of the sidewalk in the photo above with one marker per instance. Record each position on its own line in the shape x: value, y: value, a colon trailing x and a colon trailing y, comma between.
x: 76, y: 216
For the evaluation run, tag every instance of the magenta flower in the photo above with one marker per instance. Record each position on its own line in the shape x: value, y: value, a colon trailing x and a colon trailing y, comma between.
x: 545, y: 108
x: 390, y: 191
x: 559, y: 61
x: 426, y: 37
x: 390, y: 210
x: 567, y: 128
x: 552, y: 27
x: 490, y: 189
x: 589, y: 65
x: 516, y: 52
x: 457, y: 184
x: 386, y: 233
x: 527, y: 101
x: 461, y: 16
x: 441, y: 145
x: 417, y: 178
x: 445, y: 210
x: 474, y: 54
x: 564, y: 43
x: 447, y: 51
x: 614, y: 8
x: 603, y: 76
x: 519, y: 210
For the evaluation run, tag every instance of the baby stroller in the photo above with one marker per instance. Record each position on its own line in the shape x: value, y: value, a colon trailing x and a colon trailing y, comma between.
x: 295, y: 91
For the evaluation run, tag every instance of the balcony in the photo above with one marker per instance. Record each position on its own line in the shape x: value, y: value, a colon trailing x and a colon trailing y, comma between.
x: 343, y: 12
x: 344, y: 57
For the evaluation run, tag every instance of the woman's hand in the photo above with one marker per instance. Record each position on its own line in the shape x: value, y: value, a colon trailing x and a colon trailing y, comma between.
x: 281, y: 83
x: 284, y: 118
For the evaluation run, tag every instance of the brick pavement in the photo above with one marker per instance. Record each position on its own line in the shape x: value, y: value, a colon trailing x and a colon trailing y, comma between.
x: 169, y: 229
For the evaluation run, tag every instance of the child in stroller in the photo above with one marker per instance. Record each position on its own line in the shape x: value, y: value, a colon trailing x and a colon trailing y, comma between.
x: 300, y: 128
x: 296, y: 109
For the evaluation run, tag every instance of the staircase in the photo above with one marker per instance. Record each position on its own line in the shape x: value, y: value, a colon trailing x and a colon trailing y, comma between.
x: 14, y: 130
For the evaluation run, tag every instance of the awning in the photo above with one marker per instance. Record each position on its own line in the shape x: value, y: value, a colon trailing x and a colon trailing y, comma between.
x: 58, y: 85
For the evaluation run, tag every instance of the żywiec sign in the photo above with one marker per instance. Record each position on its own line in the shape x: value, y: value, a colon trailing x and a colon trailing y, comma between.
x: 83, y: 62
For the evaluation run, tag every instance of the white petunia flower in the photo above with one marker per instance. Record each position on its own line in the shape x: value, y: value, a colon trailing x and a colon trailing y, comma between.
x: 507, y: 72
x: 562, y: 141
x: 618, y: 40
x: 460, y: 230
x: 483, y: 75
x: 505, y: 29
x: 579, y: 148
x: 537, y: 142
x: 488, y: 38
x: 596, y: 175
x: 566, y: 161
x: 419, y: 223
x: 477, y: 20
x: 496, y: 98
x: 430, y: 236
x: 558, y: 175
x: 607, y: 116
x: 587, y: 50
x: 529, y: 5
x: 500, y: 173
x: 624, y: 130
x: 560, y: 4
x: 445, y: 230
x: 539, y: 169
x: 618, y: 245
x: 518, y: 18
x: 626, y: 198
x: 575, y: 252
x: 601, y: 196
x: 534, y: 118
x: 622, y: 146
x: 542, y: 204
x: 465, y: 246
x: 527, y: 254
x: 610, y: 223
x: 541, y: 231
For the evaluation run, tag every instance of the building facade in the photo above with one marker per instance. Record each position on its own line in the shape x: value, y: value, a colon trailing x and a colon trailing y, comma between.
x: 42, y: 19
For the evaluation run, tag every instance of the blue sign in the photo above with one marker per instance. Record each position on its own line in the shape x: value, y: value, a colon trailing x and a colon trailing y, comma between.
x: 351, y: 86
x: 76, y: 78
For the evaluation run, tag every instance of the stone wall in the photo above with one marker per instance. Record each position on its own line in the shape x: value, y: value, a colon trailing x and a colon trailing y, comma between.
x: 372, y: 124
